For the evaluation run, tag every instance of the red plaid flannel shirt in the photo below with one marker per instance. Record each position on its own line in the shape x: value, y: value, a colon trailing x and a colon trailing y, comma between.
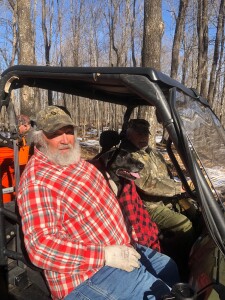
x: 68, y: 215
x: 137, y: 217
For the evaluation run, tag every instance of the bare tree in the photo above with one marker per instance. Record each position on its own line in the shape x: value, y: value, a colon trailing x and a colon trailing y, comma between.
x: 115, y: 33
x: 202, y: 28
x: 153, y: 32
x: 47, y: 12
x: 132, y: 34
x: 59, y: 31
x: 26, y: 39
x: 216, y: 52
x: 26, y: 51
x: 76, y: 23
x: 187, y: 52
x: 219, y: 81
x: 222, y: 107
x: 13, y: 5
x: 151, y: 52
x: 118, y: 19
x: 179, y: 31
x: 47, y: 30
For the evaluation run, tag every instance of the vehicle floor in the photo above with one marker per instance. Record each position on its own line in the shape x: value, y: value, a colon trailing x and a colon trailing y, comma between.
x: 30, y: 286
x: 31, y: 292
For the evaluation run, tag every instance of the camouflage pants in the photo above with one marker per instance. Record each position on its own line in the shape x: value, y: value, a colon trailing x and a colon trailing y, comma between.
x: 167, y: 219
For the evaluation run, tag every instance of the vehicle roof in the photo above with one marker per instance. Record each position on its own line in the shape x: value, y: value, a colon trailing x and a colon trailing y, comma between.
x: 110, y: 84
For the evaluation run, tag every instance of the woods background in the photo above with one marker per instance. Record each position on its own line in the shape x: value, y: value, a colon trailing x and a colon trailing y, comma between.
x: 182, y: 38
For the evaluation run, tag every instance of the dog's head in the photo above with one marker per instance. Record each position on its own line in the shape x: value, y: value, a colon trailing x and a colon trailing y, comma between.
x: 120, y: 163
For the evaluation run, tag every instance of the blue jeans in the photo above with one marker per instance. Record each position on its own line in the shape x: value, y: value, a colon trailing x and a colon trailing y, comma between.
x: 152, y: 280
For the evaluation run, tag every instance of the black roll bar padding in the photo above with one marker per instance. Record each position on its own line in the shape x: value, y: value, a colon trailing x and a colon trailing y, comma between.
x: 13, y: 126
x: 178, y: 168
x: 151, y: 92
x: 13, y: 123
x: 4, y: 97
x: 127, y: 115
x: 126, y: 118
x: 182, y: 147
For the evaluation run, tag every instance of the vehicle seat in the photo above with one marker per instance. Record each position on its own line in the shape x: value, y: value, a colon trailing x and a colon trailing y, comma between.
x: 23, y: 278
x: 108, y: 140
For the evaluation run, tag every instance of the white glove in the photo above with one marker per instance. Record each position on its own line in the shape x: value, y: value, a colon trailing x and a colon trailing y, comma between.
x: 122, y: 257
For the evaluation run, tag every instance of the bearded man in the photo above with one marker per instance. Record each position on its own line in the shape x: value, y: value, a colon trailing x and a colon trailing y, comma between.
x: 74, y: 228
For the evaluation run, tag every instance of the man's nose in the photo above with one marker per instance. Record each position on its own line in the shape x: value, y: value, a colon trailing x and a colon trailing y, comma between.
x: 64, y: 138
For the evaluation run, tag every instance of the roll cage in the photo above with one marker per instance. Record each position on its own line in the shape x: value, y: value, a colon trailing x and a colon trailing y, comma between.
x: 130, y: 87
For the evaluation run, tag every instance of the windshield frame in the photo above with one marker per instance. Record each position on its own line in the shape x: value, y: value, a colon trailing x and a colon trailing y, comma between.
x: 211, y: 210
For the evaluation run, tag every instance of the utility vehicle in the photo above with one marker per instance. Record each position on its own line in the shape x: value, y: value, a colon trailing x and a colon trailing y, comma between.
x: 194, y: 131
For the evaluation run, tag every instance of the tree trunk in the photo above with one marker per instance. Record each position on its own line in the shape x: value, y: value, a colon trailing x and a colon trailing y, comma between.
x: 219, y: 78
x: 47, y: 34
x: 120, y: 28
x: 26, y: 52
x: 216, y: 53
x: 202, y: 28
x: 153, y: 31
x: 222, y: 112
x: 178, y: 37
x: 132, y: 35
x: 76, y: 23
x: 151, y: 52
x: 15, y: 33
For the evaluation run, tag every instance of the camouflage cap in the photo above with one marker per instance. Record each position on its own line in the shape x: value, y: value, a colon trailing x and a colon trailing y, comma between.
x: 52, y: 118
x: 139, y: 125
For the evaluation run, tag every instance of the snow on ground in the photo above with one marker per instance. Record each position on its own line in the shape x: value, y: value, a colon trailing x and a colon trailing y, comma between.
x: 89, y: 143
x: 95, y: 143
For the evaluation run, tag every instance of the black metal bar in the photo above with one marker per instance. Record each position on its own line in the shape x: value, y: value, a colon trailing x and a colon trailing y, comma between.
x: 11, y: 215
x: 14, y: 255
x: 3, y: 256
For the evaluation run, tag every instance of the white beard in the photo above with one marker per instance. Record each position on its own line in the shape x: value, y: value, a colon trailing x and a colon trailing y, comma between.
x: 72, y: 156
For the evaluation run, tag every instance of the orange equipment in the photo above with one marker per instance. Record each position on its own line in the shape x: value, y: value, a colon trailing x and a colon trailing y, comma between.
x: 7, y: 168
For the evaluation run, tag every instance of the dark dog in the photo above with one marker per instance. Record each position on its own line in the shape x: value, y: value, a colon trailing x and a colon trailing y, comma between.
x: 117, y: 163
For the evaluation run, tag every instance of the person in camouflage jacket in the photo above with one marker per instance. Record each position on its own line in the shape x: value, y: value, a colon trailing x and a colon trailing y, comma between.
x: 156, y: 188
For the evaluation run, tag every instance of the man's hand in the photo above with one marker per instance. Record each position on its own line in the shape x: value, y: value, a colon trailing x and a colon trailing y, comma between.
x: 122, y: 257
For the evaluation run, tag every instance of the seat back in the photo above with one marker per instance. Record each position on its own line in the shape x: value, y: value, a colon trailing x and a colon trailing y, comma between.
x: 108, y: 140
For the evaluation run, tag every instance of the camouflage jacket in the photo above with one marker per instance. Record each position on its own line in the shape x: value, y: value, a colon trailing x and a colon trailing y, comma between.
x: 155, y: 180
